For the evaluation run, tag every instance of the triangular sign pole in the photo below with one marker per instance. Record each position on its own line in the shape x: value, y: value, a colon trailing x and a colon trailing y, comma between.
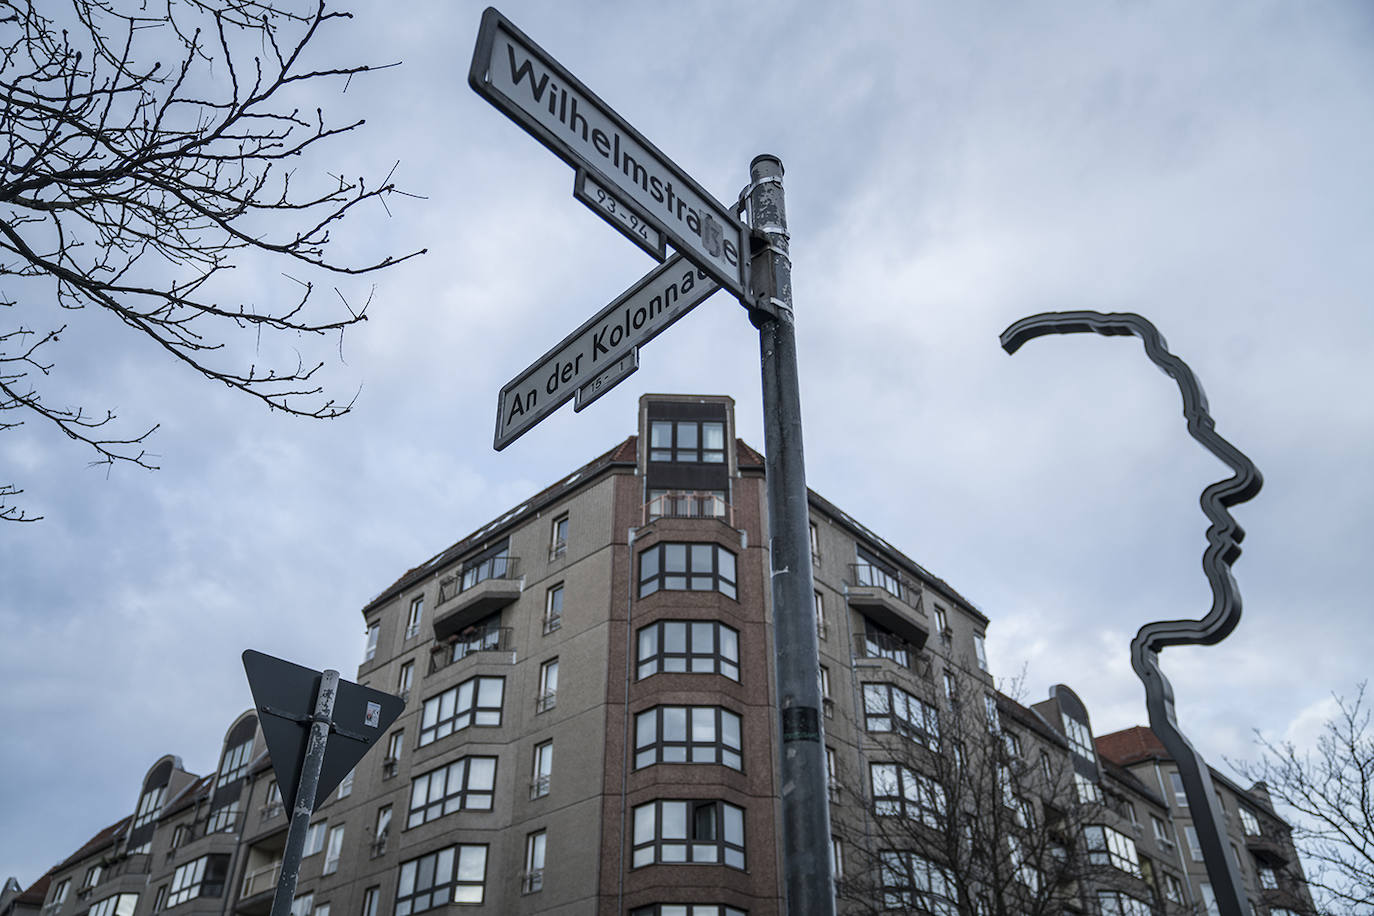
x: 308, y: 765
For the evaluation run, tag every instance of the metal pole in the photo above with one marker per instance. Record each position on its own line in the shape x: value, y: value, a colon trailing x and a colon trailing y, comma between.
x: 807, y: 879
x: 305, y: 793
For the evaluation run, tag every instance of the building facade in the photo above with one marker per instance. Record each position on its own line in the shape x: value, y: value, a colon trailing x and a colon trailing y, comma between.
x: 589, y: 730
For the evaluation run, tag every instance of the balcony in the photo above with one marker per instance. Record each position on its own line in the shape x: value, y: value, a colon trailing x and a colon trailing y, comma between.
x: 480, y: 591
x: 257, y: 882
x: 888, y: 601
x: 1268, y: 849
x: 689, y: 504
x: 477, y: 639
x: 895, y: 650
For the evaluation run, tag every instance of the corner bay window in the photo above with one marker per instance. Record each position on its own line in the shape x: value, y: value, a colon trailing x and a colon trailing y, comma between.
x: 1111, y: 847
x: 687, y: 734
x: 689, y: 646
x: 454, y: 874
x: 687, y: 567
x: 203, y: 877
x: 912, y: 883
x: 703, y: 832
x: 900, y: 791
x: 466, y: 784
x: 888, y: 708
x: 476, y: 701
x: 118, y: 905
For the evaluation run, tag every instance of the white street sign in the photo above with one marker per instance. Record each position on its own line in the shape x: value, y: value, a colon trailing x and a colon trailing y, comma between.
x: 611, y: 376
x: 637, y: 315
x: 534, y: 90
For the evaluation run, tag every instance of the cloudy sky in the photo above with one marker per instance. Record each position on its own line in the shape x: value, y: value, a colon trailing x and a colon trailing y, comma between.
x: 950, y: 168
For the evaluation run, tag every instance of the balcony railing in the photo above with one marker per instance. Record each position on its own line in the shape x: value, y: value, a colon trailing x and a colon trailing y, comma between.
x: 532, y: 881
x: 894, y: 649
x: 546, y: 701
x: 479, y: 639
x: 868, y: 575
x: 539, y: 786
x: 260, y: 880
x: 378, y: 847
x: 689, y: 504
x: 502, y: 567
x: 272, y: 809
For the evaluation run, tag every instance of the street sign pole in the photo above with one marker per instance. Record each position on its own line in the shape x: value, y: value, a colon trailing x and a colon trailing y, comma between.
x: 807, y: 879
x: 305, y: 793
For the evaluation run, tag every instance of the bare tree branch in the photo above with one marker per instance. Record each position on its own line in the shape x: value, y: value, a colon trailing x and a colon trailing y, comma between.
x: 133, y: 187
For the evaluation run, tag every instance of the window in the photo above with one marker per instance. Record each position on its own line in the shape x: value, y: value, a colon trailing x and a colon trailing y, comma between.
x: 395, y: 744
x: 370, y: 648
x: 335, y: 849
x: 558, y: 542
x: 118, y: 905
x: 370, y: 898
x: 687, y: 440
x: 548, y: 686
x: 1248, y: 821
x: 542, y: 769
x: 382, y: 831
x: 476, y: 701
x: 160, y: 898
x: 697, y: 646
x: 93, y: 876
x: 1110, y: 847
x: 1194, y: 847
x: 1268, y: 878
x: 951, y: 687
x: 686, y: 909
x: 224, y: 818
x: 454, y: 874
x: 322, y: 909
x: 687, y: 734
x: 405, y: 678
x: 941, y: 620
x: 235, y: 763
x: 913, y: 883
x: 836, y: 859
x: 1209, y: 900
x: 303, y: 905
x: 1011, y: 743
x: 822, y: 631
x: 831, y: 768
x: 1115, y: 903
x: 1173, y: 888
x: 900, y: 791
x: 345, y: 785
x: 465, y: 784
x: 59, y: 894
x: 149, y: 803
x: 184, y: 833
x: 990, y: 708
x: 203, y: 877
x: 815, y: 542
x: 687, y: 567
x: 553, y: 609
x: 314, y: 838
x: 1080, y: 739
x: 1180, y: 793
x: 533, y: 879
x: 688, y: 831
x: 1161, y: 832
x: 482, y: 636
x: 417, y: 611
x: 981, y: 651
x: 888, y: 708
x: 1046, y: 768
x: 1087, y: 791
x: 827, y: 702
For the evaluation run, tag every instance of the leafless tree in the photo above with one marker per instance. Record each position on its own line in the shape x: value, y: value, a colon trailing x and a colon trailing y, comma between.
x: 1332, y: 790
x: 147, y: 146
x: 965, y: 816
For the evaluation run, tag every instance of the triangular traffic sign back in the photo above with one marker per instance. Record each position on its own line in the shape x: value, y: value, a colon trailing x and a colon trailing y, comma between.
x: 284, y: 695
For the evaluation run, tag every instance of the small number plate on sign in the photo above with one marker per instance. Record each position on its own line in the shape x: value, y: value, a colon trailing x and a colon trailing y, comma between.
x: 374, y: 715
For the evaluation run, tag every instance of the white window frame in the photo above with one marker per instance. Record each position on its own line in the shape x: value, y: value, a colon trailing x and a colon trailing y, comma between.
x: 414, y: 616
x: 374, y: 632
x: 541, y: 769
x: 547, y: 698
x: 532, y: 879
x: 334, y: 850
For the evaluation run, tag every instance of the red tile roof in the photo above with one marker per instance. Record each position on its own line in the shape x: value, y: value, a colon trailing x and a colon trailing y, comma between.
x: 1131, y: 745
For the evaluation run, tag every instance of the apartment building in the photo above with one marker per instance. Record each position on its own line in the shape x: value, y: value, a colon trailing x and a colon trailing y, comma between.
x: 1260, y: 840
x: 590, y: 730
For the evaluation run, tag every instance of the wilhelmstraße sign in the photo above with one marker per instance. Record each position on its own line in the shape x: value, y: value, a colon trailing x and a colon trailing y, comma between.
x: 637, y: 315
x: 534, y: 90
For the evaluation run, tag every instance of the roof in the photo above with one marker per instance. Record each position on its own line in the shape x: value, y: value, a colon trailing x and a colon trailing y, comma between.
x: 98, y: 842
x: 621, y: 455
x: 198, y: 789
x: 1029, y: 718
x: 36, y: 892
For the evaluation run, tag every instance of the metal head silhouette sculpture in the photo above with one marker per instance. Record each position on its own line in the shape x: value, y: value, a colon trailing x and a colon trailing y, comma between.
x: 1223, y: 548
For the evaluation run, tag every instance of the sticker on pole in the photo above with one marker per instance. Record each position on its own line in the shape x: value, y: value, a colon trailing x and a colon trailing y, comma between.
x: 373, y: 717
